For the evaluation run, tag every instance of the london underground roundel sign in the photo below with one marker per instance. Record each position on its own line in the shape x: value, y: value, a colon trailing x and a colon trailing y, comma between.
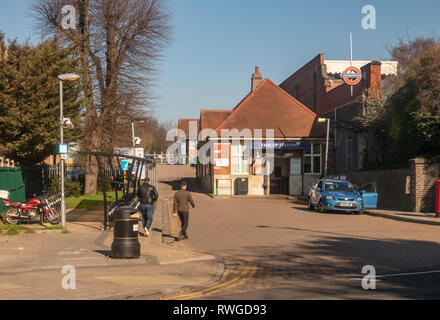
x: 352, y: 76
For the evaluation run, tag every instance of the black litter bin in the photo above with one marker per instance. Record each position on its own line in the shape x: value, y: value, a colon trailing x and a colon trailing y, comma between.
x: 126, y: 242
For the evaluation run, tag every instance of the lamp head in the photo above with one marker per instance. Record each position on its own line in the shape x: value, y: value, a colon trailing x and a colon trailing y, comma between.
x: 69, y: 77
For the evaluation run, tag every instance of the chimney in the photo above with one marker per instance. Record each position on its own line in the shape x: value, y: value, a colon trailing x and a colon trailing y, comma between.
x: 257, y: 78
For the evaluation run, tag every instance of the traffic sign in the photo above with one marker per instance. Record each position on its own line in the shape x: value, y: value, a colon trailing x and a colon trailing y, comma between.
x: 63, y: 148
x: 352, y: 76
x: 124, y: 165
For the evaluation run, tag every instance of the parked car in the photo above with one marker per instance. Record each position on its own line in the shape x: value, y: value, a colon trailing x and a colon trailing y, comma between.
x: 341, y: 195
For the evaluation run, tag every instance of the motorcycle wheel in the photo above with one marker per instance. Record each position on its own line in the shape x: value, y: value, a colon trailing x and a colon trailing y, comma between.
x: 11, y: 216
x: 53, y: 217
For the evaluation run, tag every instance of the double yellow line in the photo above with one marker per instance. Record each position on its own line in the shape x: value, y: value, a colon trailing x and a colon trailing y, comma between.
x: 246, y: 271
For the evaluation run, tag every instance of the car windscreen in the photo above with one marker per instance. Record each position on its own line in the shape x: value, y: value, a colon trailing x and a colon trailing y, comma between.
x: 338, y: 186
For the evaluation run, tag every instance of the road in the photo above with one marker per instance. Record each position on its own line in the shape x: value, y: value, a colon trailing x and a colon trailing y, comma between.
x: 278, y: 249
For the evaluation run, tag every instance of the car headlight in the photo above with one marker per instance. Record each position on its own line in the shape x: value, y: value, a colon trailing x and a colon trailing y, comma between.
x: 359, y: 199
x: 330, y: 197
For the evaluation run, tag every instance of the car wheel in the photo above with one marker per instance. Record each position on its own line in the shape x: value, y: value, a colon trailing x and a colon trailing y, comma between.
x: 321, y: 207
x: 311, y: 207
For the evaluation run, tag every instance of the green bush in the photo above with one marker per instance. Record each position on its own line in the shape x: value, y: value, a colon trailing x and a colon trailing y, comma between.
x: 71, y: 188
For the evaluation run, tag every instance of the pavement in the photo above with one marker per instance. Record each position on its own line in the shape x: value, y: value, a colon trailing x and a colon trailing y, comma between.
x: 31, y: 265
x: 414, y: 217
x: 278, y: 249
x: 239, y: 248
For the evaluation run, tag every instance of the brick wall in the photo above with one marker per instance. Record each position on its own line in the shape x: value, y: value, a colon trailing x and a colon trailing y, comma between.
x: 390, y: 186
x: 330, y: 93
x: 424, y: 175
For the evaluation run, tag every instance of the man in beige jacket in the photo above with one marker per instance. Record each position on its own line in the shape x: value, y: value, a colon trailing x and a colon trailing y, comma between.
x: 182, y: 200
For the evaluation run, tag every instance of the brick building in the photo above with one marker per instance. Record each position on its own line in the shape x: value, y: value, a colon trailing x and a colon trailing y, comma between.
x: 239, y: 161
x: 188, y: 130
x: 319, y: 86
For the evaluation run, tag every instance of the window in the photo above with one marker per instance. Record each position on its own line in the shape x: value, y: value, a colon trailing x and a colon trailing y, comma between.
x: 338, y: 186
x: 313, y: 159
x: 240, y: 155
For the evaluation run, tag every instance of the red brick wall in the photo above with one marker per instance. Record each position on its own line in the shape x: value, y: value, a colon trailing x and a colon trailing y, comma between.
x: 424, y: 175
x: 222, y: 151
x: 301, y: 86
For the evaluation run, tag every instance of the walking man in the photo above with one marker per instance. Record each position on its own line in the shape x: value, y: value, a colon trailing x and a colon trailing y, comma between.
x: 148, y: 196
x: 182, y: 200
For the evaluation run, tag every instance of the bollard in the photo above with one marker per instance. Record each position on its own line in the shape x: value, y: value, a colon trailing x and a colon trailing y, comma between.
x: 126, y: 242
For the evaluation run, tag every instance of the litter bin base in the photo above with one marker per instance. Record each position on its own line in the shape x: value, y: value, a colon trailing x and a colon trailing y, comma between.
x: 121, y: 251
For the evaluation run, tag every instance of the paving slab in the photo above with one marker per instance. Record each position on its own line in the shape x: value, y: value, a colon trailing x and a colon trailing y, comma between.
x: 414, y: 217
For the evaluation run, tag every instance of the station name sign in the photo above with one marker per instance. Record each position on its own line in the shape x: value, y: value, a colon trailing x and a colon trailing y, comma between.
x: 279, y: 145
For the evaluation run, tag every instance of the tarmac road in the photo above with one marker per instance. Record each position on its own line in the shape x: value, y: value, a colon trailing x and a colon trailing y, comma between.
x: 277, y: 249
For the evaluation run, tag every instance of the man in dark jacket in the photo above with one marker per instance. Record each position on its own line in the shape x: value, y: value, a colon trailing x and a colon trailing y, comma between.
x: 182, y: 200
x: 148, y: 196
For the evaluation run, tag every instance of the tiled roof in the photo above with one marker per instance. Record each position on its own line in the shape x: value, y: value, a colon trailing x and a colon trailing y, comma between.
x: 184, y: 124
x: 210, y: 119
x: 269, y: 107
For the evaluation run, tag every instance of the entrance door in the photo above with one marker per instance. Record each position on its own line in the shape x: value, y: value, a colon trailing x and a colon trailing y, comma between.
x: 279, y: 179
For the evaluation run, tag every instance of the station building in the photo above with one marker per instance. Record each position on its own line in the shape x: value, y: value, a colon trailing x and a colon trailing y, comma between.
x: 291, y: 110
x: 239, y: 163
x: 319, y: 86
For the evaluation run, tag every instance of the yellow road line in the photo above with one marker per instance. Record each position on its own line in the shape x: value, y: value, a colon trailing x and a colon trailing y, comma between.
x: 233, y: 283
x: 246, y: 271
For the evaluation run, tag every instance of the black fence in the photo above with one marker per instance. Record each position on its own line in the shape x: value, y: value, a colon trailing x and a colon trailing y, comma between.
x: 37, y: 179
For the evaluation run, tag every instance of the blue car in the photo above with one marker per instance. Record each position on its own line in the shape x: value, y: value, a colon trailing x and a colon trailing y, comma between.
x: 341, y: 195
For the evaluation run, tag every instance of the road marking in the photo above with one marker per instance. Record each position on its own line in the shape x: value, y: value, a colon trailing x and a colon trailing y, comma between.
x: 408, y: 274
x: 246, y: 271
x: 400, y: 275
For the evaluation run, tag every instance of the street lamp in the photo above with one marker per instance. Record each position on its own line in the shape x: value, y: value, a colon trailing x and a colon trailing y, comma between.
x: 132, y: 129
x: 63, y: 77
x: 321, y: 120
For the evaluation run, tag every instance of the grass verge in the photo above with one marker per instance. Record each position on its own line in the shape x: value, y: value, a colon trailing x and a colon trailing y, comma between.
x: 12, y: 230
x: 89, y: 202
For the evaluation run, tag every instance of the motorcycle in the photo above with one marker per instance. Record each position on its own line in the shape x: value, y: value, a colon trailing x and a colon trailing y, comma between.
x: 17, y: 212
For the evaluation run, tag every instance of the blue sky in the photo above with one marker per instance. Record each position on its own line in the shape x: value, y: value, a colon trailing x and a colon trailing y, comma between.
x: 217, y: 44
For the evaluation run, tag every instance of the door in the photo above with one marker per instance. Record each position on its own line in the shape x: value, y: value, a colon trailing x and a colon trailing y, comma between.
x: 370, y: 197
x: 316, y: 193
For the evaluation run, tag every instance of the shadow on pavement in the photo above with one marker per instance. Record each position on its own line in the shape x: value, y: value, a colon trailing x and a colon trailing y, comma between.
x: 317, y: 212
x: 104, y: 252
x: 331, y: 267
x: 193, y: 185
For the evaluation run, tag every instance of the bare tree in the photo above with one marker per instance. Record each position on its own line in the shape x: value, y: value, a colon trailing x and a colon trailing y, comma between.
x: 118, y: 41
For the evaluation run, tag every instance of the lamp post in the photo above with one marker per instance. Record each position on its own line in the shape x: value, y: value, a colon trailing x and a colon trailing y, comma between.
x: 63, y: 77
x: 321, y: 120
x: 132, y: 129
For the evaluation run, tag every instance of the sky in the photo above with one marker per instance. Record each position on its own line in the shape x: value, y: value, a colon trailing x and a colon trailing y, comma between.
x: 217, y: 44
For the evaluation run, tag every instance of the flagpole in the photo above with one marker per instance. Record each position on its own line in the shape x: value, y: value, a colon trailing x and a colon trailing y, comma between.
x: 351, y: 58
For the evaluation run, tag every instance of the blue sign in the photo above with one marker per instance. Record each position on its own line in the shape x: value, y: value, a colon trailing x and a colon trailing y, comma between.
x: 279, y: 145
x: 63, y: 148
x: 124, y: 165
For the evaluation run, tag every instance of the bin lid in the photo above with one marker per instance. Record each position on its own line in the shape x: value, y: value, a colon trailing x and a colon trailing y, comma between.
x: 125, y: 212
